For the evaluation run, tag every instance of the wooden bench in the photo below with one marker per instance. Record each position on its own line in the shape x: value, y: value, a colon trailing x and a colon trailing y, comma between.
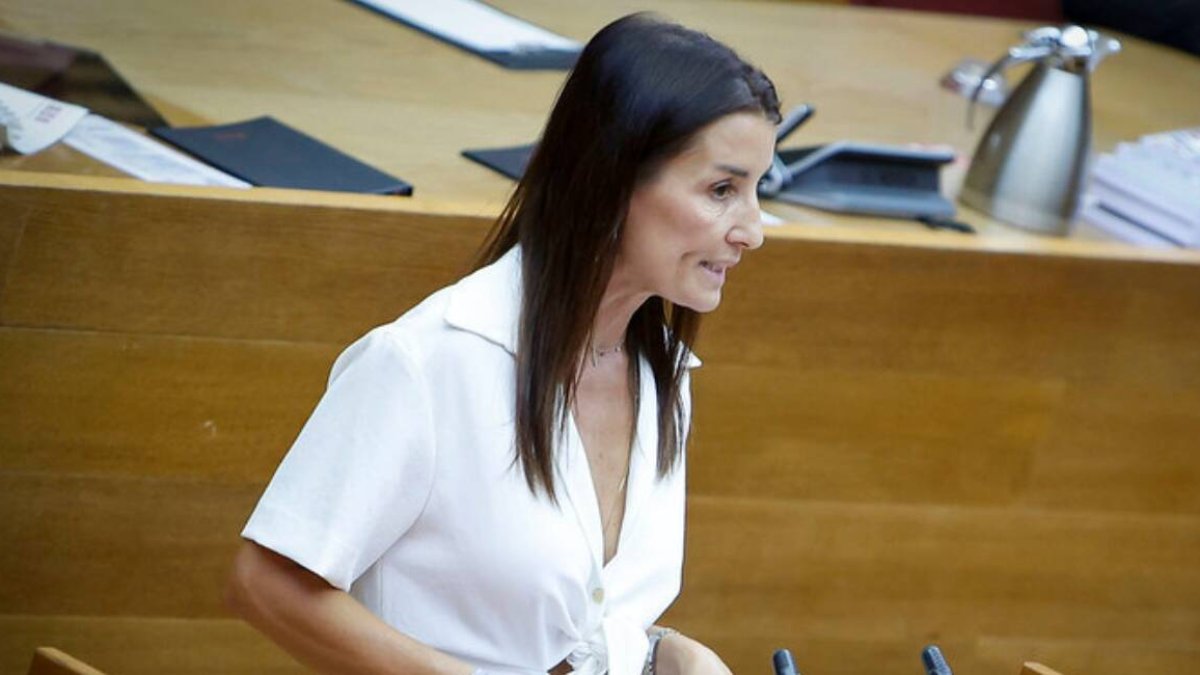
x: 894, y: 443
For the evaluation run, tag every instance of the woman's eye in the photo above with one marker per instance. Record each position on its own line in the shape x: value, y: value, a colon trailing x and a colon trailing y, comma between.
x: 722, y: 190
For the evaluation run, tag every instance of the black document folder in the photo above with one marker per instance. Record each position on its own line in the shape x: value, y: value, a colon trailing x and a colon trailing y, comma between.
x: 508, y: 161
x: 266, y: 152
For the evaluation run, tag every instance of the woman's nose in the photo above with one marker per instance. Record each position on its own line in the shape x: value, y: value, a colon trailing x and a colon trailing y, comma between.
x: 748, y: 231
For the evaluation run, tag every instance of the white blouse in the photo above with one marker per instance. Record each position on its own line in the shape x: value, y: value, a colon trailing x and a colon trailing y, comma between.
x: 403, y: 489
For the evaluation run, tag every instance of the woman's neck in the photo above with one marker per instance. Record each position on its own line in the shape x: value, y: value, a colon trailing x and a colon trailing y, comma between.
x: 617, y: 305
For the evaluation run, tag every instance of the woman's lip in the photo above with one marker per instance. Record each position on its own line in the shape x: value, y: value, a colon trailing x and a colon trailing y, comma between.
x: 715, y: 273
x: 717, y: 266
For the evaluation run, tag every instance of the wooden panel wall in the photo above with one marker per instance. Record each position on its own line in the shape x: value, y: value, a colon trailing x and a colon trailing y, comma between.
x: 894, y: 445
x: 161, y: 349
x: 996, y: 452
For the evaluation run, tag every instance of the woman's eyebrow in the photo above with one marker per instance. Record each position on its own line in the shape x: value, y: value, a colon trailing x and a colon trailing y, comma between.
x: 735, y: 170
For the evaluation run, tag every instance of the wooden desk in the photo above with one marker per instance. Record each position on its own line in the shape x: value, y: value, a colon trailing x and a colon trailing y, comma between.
x: 901, y: 437
x: 409, y: 104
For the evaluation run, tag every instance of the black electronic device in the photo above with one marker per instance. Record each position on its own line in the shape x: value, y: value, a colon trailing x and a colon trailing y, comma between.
x: 861, y: 178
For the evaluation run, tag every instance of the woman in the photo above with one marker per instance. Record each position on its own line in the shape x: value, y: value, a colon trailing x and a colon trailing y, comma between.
x: 494, y: 482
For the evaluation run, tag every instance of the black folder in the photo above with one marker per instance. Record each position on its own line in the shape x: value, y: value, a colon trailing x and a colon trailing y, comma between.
x: 510, y: 161
x: 267, y: 152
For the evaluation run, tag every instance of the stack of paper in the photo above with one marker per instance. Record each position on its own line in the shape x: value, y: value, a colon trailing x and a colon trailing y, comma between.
x: 1146, y: 193
x: 32, y: 123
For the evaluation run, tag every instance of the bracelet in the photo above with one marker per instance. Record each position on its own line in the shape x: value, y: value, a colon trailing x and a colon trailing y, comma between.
x: 657, y: 633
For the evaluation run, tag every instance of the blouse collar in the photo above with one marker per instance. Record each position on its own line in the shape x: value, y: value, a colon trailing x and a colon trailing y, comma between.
x: 487, y: 302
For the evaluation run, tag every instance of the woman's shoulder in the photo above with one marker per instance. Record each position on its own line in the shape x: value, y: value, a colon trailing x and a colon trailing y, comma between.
x: 415, y: 331
x: 478, y: 315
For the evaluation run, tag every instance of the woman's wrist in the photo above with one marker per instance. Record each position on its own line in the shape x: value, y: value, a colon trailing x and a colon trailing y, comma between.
x: 678, y: 654
x: 656, y: 635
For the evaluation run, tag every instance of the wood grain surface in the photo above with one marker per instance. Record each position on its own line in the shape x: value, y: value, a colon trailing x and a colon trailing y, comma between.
x: 893, y: 444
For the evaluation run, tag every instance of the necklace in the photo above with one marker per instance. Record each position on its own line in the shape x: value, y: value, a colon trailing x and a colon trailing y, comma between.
x: 612, y: 510
x: 601, y: 352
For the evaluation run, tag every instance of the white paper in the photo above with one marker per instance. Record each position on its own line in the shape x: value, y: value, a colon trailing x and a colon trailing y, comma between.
x: 1153, y: 184
x: 1182, y: 145
x: 142, y: 156
x: 769, y: 219
x: 35, y: 122
x: 473, y: 24
x: 1095, y: 223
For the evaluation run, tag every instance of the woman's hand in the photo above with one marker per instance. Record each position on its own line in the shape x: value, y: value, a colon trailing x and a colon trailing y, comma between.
x: 681, y: 655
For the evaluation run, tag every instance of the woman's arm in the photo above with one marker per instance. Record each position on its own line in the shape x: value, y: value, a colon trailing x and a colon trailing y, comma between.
x: 323, y: 627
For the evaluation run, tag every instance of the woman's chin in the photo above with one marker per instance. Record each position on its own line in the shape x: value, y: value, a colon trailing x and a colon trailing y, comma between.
x: 703, y: 303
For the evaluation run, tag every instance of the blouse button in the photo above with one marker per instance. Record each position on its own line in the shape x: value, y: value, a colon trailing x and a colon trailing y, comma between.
x: 598, y: 595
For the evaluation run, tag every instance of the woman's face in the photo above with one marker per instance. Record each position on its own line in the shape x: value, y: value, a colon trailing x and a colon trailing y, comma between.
x: 689, y: 224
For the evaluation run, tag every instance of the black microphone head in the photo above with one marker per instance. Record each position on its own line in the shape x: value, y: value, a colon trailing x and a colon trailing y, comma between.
x: 784, y: 665
x: 935, y: 663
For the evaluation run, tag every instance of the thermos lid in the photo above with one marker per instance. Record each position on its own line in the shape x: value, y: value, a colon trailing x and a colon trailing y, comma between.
x: 1070, y: 47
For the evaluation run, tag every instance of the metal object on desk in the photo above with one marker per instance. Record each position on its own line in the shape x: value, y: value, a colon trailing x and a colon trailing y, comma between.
x: 1029, y: 165
x: 863, y: 178
x: 967, y: 77
x: 856, y: 177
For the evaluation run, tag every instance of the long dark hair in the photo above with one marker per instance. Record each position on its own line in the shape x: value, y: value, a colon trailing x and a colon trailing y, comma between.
x: 640, y: 92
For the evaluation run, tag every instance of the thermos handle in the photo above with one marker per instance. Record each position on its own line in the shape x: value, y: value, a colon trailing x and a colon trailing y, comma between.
x: 1075, y: 48
x: 1022, y: 54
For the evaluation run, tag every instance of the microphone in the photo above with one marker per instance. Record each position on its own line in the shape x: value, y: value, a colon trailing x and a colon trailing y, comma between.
x: 784, y: 665
x: 795, y: 117
x: 935, y: 663
x: 779, y: 175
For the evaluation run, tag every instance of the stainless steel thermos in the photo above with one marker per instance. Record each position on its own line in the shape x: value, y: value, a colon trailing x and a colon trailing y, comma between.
x: 1030, y: 164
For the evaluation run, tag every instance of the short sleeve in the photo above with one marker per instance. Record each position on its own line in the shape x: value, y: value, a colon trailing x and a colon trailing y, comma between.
x: 360, y: 471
